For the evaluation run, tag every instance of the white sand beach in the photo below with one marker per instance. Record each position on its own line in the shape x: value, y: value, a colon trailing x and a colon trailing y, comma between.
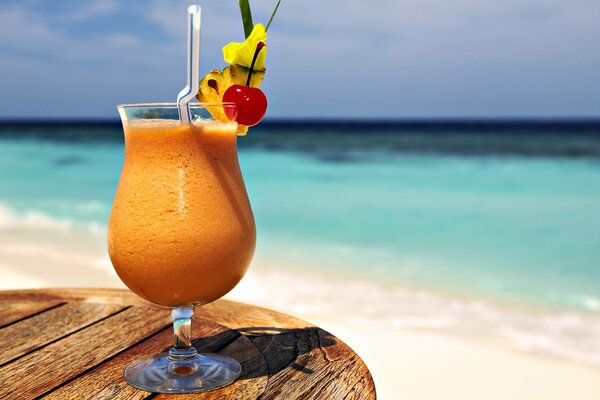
x: 410, y: 358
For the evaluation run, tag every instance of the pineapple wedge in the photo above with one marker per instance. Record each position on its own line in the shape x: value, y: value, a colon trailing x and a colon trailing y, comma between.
x: 216, y: 82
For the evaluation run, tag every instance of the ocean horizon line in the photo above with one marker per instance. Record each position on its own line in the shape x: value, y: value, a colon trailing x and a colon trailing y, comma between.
x: 377, y: 123
x: 352, y: 140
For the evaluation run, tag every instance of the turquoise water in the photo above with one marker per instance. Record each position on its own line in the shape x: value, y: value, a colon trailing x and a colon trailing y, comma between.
x: 502, y: 225
x: 527, y: 229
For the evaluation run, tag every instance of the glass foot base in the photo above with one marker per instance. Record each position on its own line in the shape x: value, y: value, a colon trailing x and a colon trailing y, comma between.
x: 204, y: 372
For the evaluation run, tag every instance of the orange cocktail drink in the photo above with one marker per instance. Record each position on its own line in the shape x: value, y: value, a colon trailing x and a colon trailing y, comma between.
x: 181, y: 231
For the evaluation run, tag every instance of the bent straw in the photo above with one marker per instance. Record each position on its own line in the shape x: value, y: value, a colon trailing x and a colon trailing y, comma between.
x: 193, y: 64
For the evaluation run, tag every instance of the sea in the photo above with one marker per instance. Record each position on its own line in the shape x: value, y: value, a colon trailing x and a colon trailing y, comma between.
x: 504, y: 215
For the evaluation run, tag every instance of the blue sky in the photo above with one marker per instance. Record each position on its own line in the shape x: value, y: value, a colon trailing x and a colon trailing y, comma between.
x: 327, y: 58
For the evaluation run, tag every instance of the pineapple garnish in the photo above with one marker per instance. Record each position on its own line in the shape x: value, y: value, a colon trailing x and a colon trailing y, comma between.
x: 245, y: 58
x: 239, y: 56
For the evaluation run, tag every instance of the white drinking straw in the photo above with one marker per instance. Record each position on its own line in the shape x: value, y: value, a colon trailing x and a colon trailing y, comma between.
x: 193, y: 64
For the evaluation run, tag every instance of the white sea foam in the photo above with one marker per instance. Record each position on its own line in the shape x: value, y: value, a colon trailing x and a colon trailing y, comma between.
x: 566, y: 335
x: 587, y: 302
x: 32, y: 219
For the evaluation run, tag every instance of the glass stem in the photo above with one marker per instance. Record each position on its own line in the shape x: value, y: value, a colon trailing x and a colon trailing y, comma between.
x: 182, y: 327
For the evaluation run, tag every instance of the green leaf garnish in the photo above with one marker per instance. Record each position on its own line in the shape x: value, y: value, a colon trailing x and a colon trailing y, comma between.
x: 246, y: 17
x: 272, y: 15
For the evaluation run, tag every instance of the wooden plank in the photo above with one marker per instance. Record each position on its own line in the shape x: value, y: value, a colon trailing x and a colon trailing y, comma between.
x: 250, y: 385
x: 363, y: 388
x: 285, y: 358
x: 245, y: 317
x: 11, y: 311
x: 59, y: 362
x: 226, y: 312
x: 32, y: 333
x: 107, y: 296
x: 106, y: 381
x: 300, y: 356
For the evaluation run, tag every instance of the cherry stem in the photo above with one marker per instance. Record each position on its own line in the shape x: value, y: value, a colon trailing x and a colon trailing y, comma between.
x: 259, y: 47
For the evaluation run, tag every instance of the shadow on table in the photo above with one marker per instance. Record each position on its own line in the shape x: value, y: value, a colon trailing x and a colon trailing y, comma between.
x: 280, y: 348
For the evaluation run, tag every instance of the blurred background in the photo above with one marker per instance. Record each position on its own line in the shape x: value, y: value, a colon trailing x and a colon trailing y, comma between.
x: 426, y: 184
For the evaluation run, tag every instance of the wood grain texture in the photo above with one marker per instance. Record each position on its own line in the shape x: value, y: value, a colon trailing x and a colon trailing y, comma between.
x: 41, y: 329
x: 11, y: 312
x: 92, y: 334
x: 38, y: 372
x: 102, y: 296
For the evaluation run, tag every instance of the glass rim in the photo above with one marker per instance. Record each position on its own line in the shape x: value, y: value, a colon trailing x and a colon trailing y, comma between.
x: 175, y: 105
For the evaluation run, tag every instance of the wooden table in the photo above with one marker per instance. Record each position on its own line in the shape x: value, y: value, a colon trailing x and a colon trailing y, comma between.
x: 74, y: 344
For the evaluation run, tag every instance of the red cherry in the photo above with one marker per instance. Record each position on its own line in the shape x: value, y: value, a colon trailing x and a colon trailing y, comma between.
x: 251, y: 104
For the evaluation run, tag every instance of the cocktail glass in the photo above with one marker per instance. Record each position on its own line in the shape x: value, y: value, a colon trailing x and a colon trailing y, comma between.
x: 181, y: 232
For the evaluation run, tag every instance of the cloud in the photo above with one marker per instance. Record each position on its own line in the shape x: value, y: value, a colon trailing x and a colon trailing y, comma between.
x: 25, y: 30
x: 34, y: 35
x: 123, y: 40
x: 88, y: 10
x: 170, y: 16
x: 331, y: 58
